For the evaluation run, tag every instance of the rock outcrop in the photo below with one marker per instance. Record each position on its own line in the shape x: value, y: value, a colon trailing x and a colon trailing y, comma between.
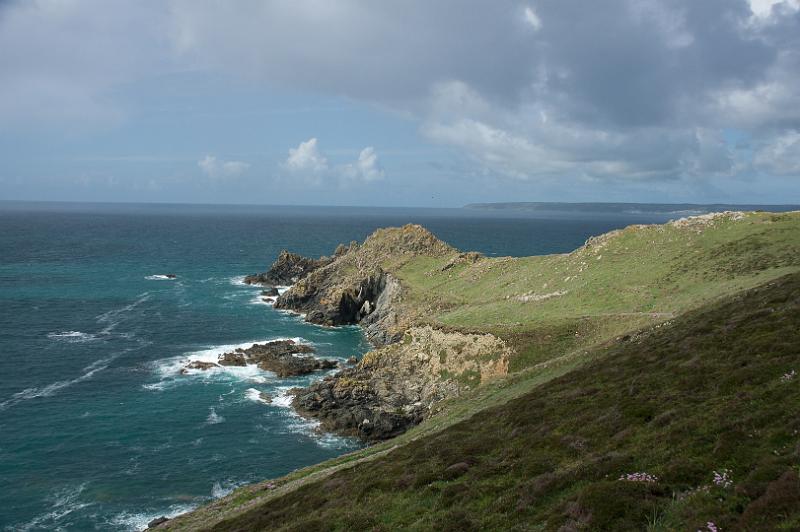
x: 356, y: 288
x: 395, y: 387
x: 285, y: 358
x: 287, y: 269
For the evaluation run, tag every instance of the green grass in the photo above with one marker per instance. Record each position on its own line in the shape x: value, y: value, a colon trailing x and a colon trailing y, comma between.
x: 641, y: 275
x: 700, y: 394
x: 644, y: 360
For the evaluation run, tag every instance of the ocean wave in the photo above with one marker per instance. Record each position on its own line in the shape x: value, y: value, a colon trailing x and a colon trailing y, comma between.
x: 52, y: 388
x: 254, y: 395
x: 239, y: 281
x: 114, y: 317
x: 260, y: 300
x: 213, y: 418
x: 282, y: 398
x: 63, y: 502
x: 223, y: 489
x: 311, y: 428
x: 138, y: 521
x: 72, y: 336
x: 170, y: 369
x: 160, y: 277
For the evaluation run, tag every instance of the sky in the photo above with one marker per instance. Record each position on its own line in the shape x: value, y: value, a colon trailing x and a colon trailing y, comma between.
x: 400, y: 103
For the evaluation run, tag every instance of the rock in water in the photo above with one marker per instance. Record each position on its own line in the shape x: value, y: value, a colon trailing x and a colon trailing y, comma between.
x: 279, y: 356
x: 232, y: 359
x: 157, y: 521
x: 269, y: 291
x: 197, y: 364
x: 288, y: 269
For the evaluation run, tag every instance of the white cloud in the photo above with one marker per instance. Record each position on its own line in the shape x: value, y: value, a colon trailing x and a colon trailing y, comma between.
x: 532, y: 18
x: 764, y: 8
x: 306, y: 158
x: 219, y: 169
x: 308, y: 162
x: 366, y: 168
x: 781, y: 156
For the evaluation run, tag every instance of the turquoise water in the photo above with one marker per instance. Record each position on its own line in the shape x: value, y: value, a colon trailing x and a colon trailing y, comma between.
x: 98, y: 430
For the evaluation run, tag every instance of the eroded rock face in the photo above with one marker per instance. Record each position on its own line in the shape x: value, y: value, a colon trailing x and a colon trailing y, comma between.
x: 285, y: 358
x: 395, y: 387
x: 287, y: 270
x: 355, y: 288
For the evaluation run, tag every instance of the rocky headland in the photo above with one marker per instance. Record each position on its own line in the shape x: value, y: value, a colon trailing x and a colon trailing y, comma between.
x: 414, y: 365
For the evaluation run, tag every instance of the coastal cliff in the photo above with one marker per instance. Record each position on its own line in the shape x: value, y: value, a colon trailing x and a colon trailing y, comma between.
x: 647, y: 379
x: 413, y: 367
x: 357, y: 286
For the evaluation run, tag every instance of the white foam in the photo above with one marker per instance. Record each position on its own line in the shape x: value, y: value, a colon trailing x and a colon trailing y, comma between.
x: 260, y: 300
x: 159, y: 277
x: 112, y: 318
x: 138, y: 521
x: 64, y: 502
x: 72, y: 336
x: 254, y: 395
x: 52, y: 388
x: 282, y: 398
x: 239, y: 281
x: 172, y: 367
x: 220, y: 490
x: 214, y: 418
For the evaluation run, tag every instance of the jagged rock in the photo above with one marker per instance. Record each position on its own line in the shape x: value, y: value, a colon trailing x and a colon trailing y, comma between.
x: 198, y: 364
x: 232, y: 359
x: 264, y: 396
x: 287, y: 269
x: 280, y: 357
x: 270, y: 291
x: 353, y: 287
x: 395, y: 387
x: 268, y: 299
x: 352, y: 360
x: 157, y: 521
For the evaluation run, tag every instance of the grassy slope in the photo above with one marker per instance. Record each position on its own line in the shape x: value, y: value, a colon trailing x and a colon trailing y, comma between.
x: 699, y: 394
x: 634, y: 279
x: 626, y: 280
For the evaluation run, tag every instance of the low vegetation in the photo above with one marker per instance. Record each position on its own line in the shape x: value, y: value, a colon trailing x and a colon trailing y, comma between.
x: 652, y: 385
x: 691, y: 423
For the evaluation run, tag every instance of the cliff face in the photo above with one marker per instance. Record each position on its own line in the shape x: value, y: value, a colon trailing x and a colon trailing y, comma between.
x: 356, y: 287
x: 287, y: 269
x: 396, y: 386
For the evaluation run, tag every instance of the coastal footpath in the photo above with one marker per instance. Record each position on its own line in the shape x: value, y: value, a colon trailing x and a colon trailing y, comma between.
x: 577, y: 390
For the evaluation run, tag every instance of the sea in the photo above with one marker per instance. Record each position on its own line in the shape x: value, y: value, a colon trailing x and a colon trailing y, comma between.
x: 99, y: 430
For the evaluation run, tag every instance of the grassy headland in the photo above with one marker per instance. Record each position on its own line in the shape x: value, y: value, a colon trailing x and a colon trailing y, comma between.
x: 654, y: 349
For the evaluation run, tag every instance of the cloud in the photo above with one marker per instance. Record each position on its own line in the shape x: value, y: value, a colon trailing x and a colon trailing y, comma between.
x: 366, y: 168
x: 532, y: 18
x: 781, y: 156
x: 306, y: 159
x: 308, y: 162
x: 61, y: 60
x: 635, y: 90
x: 219, y: 169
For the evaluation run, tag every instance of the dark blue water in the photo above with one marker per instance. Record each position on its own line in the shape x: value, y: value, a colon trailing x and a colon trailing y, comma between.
x: 98, y: 430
